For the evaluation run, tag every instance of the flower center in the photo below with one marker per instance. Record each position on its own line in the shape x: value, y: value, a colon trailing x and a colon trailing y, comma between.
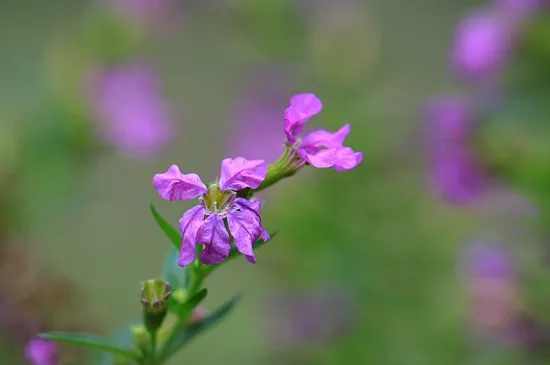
x: 218, y: 202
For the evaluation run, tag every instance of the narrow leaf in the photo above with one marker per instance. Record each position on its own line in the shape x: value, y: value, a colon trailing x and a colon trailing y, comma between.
x: 178, y: 277
x: 90, y: 341
x: 123, y: 338
x: 168, y: 230
x: 186, y: 308
x: 197, y: 328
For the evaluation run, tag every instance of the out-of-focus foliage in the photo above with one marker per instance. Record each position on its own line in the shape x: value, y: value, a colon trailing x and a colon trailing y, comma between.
x: 378, y: 231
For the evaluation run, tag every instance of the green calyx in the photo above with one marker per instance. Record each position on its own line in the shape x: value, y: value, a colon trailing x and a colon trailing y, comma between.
x: 287, y: 165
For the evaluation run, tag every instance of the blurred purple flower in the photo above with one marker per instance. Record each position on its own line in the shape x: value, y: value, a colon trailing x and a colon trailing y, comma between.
x: 41, y: 352
x: 130, y: 111
x: 482, y: 44
x: 455, y: 171
x: 489, y: 260
x: 319, y: 148
x: 496, y: 307
x: 494, y: 299
x: 220, y: 208
x: 258, y: 132
x: 298, y: 318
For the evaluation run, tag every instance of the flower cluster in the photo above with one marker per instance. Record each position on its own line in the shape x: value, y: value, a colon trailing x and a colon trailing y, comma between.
x: 227, y: 211
x: 485, y: 38
x: 483, y: 44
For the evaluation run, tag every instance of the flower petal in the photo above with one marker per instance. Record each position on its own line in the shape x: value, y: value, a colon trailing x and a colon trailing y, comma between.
x: 321, y: 159
x: 324, y: 149
x: 216, y: 239
x: 347, y: 159
x: 323, y: 138
x: 189, y: 224
x: 245, y: 225
x: 239, y: 173
x: 302, y: 107
x: 173, y: 185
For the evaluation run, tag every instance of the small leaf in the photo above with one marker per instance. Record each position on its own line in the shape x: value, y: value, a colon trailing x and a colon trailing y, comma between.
x: 90, y: 341
x: 185, y: 309
x: 169, y: 231
x: 123, y: 338
x: 178, y: 277
x: 197, y: 328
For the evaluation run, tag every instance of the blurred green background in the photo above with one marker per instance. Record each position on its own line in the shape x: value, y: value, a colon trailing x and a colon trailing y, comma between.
x: 377, y: 231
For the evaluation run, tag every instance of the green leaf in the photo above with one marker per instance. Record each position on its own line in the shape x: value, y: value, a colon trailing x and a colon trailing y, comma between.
x: 90, y: 341
x: 123, y: 338
x: 169, y: 231
x: 185, y: 309
x: 195, y: 329
x: 178, y: 277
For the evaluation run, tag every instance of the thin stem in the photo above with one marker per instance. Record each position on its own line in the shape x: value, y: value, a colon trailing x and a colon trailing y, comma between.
x: 181, y: 322
x: 153, y: 347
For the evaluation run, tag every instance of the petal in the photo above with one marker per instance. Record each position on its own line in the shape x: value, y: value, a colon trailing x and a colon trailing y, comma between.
x: 245, y: 225
x: 216, y: 239
x: 320, y: 158
x: 347, y: 159
x: 189, y: 224
x: 239, y: 173
x: 323, y: 138
x: 173, y: 185
x: 302, y: 107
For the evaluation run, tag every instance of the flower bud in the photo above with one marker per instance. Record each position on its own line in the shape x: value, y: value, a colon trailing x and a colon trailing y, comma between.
x: 140, y: 336
x: 154, y: 297
x: 179, y: 295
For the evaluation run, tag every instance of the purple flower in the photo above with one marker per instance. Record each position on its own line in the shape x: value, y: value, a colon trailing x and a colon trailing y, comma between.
x: 490, y: 260
x: 220, y: 207
x: 130, y: 111
x: 41, y: 352
x: 481, y: 45
x: 319, y: 148
x: 456, y: 173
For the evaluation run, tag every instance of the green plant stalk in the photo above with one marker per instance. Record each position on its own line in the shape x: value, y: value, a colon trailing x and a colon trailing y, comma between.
x: 153, y: 347
x: 287, y: 165
x: 196, y: 283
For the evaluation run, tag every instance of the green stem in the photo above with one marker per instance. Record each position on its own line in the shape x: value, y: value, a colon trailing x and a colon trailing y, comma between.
x: 286, y: 166
x: 166, y: 352
x: 153, y: 354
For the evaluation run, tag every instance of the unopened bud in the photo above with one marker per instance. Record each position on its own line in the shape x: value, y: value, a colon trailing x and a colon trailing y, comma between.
x: 154, y: 297
x: 140, y: 336
x: 179, y: 295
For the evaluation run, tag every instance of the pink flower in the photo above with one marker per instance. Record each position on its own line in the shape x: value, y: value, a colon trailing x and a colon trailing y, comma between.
x: 482, y: 44
x: 220, y: 208
x: 130, y: 111
x: 319, y: 148
x: 41, y: 352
